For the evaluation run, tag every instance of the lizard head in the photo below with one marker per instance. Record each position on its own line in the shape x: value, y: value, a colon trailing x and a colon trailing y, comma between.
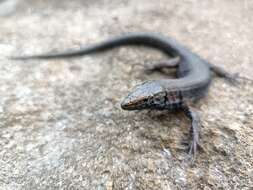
x: 147, y: 95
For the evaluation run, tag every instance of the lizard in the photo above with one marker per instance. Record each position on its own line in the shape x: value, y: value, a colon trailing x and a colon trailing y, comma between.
x: 192, y: 82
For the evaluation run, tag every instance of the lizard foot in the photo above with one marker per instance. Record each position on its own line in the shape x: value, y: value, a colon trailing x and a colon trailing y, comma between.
x: 194, y: 131
x: 171, y: 63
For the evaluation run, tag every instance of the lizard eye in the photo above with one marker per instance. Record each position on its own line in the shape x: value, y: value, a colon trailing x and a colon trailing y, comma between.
x: 145, y: 100
x: 159, y: 98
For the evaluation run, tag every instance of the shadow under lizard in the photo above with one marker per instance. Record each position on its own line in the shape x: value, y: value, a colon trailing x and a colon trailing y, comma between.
x: 192, y: 82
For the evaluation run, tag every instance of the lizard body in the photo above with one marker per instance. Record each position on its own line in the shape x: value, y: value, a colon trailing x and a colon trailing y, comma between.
x: 192, y: 82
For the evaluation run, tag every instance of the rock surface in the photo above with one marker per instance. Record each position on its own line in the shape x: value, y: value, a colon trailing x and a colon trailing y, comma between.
x: 61, y: 126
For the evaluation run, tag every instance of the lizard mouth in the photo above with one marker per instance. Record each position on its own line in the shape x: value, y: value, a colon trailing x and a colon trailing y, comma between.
x: 129, y: 104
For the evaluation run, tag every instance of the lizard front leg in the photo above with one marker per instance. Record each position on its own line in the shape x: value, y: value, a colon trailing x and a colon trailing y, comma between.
x: 195, y: 128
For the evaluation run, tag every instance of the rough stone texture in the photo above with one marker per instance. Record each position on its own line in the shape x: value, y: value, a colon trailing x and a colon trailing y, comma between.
x: 61, y: 126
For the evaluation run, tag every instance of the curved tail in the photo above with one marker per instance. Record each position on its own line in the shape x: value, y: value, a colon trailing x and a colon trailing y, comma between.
x: 157, y: 41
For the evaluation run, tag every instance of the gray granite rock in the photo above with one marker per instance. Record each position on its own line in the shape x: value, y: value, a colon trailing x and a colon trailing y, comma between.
x: 61, y: 126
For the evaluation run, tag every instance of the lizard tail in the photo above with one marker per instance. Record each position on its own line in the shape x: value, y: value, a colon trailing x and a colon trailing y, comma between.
x: 167, y: 45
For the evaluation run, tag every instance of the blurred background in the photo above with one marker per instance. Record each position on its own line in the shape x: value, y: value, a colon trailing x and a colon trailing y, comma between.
x: 61, y: 125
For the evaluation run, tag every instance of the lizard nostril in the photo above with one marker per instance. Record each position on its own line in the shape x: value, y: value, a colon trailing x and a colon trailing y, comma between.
x: 125, y: 103
x: 129, y: 104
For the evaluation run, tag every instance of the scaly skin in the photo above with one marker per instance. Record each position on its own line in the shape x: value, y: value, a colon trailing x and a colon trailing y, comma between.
x: 194, y: 77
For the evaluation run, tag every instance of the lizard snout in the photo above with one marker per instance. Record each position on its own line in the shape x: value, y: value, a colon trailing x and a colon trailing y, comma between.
x: 129, y: 104
x: 141, y: 97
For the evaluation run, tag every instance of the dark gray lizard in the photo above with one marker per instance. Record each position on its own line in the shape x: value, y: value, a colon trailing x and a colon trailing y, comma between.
x: 194, y: 77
